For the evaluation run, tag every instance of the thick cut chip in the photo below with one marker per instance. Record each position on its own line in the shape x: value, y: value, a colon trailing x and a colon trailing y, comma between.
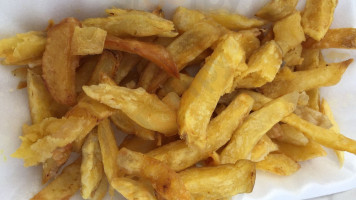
x: 305, y: 80
x: 311, y: 59
x: 138, y: 144
x: 64, y: 186
x: 22, y: 48
x: 187, y: 47
x: 101, y: 190
x: 145, y: 109
x: 293, y: 57
x: 263, y: 148
x: 275, y: 132
x: 213, y: 80
x: 88, y: 40
x: 178, y: 155
x: 40, y: 140
x: 165, y: 181
x: 133, y: 190
x: 40, y: 101
x: 153, y: 52
x: 220, y: 181
x: 127, y: 125
x: 317, y: 17
x: 184, y: 19
x: 126, y: 65
x: 263, y: 66
x: 234, y: 21
x: 277, y: 9
x: 344, y: 38
x: 91, y: 169
x: 326, y: 110
x: 58, y: 63
x: 288, y: 32
x: 313, y: 116
x: 255, y: 126
x: 301, y: 153
x: 292, y: 136
x: 109, y: 149
x: 107, y: 64
x: 176, y: 85
x: 172, y: 100
x: 279, y: 164
x: 135, y: 23
x: 314, y: 98
x: 85, y: 71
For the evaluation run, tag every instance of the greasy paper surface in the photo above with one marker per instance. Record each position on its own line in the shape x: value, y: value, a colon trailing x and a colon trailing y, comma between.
x: 317, y: 177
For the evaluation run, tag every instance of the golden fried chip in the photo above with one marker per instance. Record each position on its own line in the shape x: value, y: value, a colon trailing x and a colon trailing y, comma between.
x: 88, y: 40
x: 314, y: 98
x: 101, y: 190
x: 176, y: 85
x: 107, y: 64
x: 135, y: 23
x: 326, y: 110
x: 179, y: 156
x: 263, y: 147
x: 165, y: 181
x: 135, y: 143
x: 277, y: 9
x: 126, y: 65
x: 317, y: 17
x: 85, y: 71
x: 64, y: 186
x: 91, y: 170
x: 133, y: 190
x: 220, y: 181
x: 172, y: 100
x: 58, y: 63
x: 279, y: 164
x: 301, y: 153
x: 293, y: 57
x: 22, y: 48
x: 162, y: 117
x: 344, y: 38
x: 255, y: 126
x: 292, y: 136
x: 313, y: 116
x: 185, y: 19
x: 275, y: 132
x: 288, y: 32
x: 213, y: 80
x: 305, y: 80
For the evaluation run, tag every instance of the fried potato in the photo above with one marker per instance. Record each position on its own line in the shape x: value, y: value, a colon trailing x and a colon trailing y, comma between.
x: 176, y: 85
x: 52, y: 165
x: 187, y: 47
x: 179, y: 156
x: 277, y: 9
x: 263, y: 66
x: 107, y: 64
x: 64, y: 186
x: 109, y: 149
x: 91, y: 170
x: 58, y: 63
x: 162, y: 117
x: 220, y: 181
x: 101, y: 190
x: 292, y: 136
x: 313, y: 116
x: 301, y: 153
x: 263, y: 147
x: 314, y: 98
x: 326, y: 110
x: 311, y: 59
x: 155, y: 53
x: 148, y: 74
x: 279, y: 164
x: 127, y: 125
x: 135, y: 23
x: 88, y: 40
x: 344, y: 38
x: 213, y: 80
x: 138, y: 144
x: 172, y: 100
x: 275, y: 132
x: 185, y: 19
x: 40, y: 101
x: 288, y: 32
x: 255, y: 126
x: 165, y: 181
x: 41, y: 139
x: 305, y: 80
x: 126, y: 65
x: 249, y: 41
x: 85, y: 71
x: 133, y: 190
x: 22, y: 48
x: 317, y: 17
x: 293, y: 57
x: 234, y: 21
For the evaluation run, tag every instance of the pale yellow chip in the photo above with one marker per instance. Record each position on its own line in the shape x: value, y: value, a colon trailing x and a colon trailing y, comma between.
x: 292, y: 136
x: 279, y: 164
x: 344, y: 38
x: 88, y: 40
x: 317, y: 17
x: 301, y: 153
x: 133, y: 190
x: 277, y: 9
x: 263, y: 148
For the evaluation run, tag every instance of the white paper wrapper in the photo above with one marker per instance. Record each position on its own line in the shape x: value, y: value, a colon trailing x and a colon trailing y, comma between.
x: 317, y: 177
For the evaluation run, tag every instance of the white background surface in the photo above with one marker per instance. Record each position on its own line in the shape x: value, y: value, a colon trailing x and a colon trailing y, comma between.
x: 317, y: 177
